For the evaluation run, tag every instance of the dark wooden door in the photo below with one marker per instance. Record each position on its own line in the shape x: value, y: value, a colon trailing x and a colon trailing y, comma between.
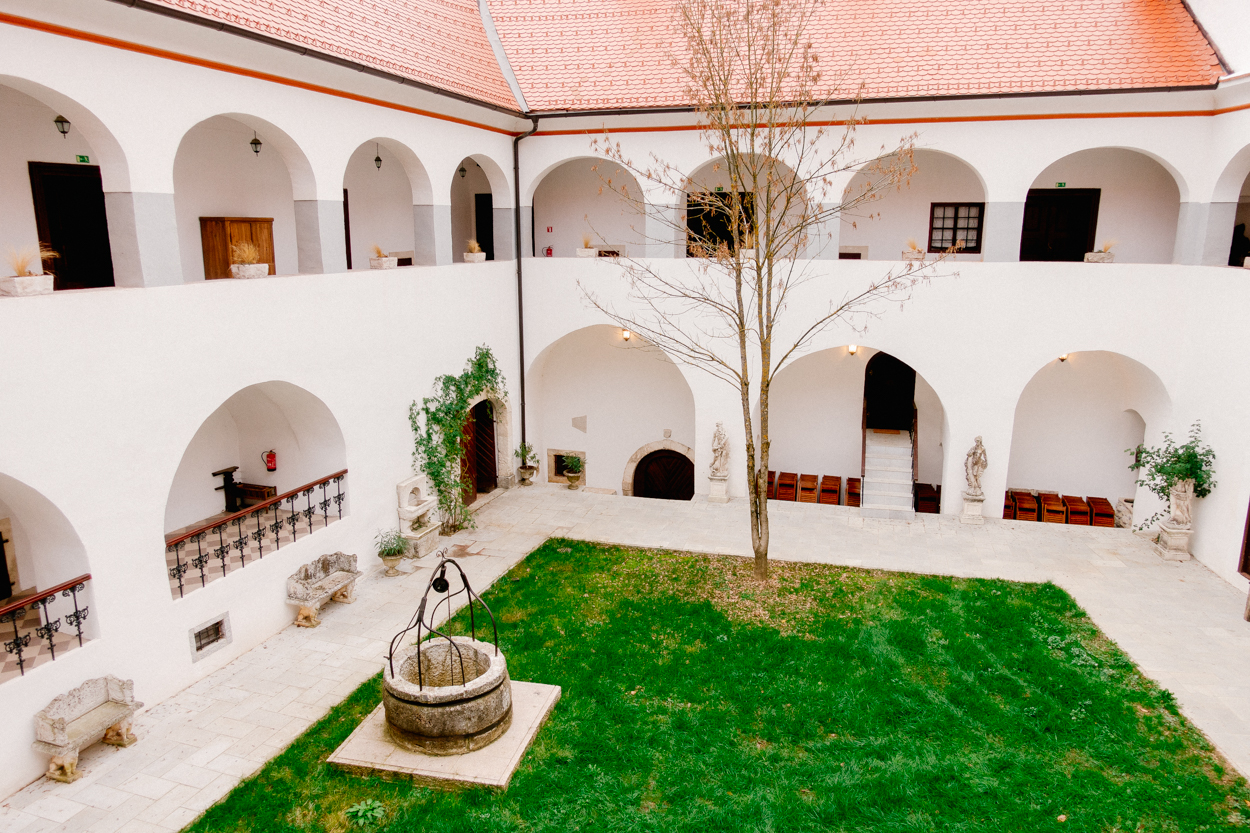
x: 889, y: 393
x: 709, y: 220
x: 1059, y: 223
x: 485, y: 476
x: 70, y: 218
x: 664, y: 474
x: 468, y: 462
x: 484, y: 222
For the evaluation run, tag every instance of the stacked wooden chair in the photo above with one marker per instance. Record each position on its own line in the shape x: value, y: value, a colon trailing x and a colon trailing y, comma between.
x: 1101, y: 512
x: 772, y: 484
x: 809, y: 489
x: 1052, y: 509
x: 830, y: 490
x: 852, y: 491
x: 787, y: 486
x: 1078, y: 510
x: 928, y: 499
x: 1025, y: 506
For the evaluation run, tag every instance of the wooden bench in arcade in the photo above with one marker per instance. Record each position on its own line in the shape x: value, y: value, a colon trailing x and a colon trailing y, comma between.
x: 1101, y: 512
x: 808, y: 488
x: 830, y: 490
x: 787, y: 486
x: 852, y: 491
x: 928, y: 499
x: 1078, y: 510
x: 1052, y: 508
x: 1026, y: 505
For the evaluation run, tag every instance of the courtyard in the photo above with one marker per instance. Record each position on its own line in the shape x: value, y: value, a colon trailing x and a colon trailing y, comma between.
x: 1180, y: 624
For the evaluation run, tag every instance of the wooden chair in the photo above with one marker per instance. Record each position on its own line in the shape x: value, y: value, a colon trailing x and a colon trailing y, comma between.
x: 772, y: 484
x: 928, y: 499
x: 830, y: 490
x: 1102, y: 513
x: 1009, y: 508
x: 1052, y: 509
x: 1026, y: 505
x: 852, y: 491
x: 808, y: 488
x: 787, y: 485
x: 1078, y: 510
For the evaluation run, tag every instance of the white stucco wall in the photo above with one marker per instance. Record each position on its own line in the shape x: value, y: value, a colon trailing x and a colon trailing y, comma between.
x: 583, y: 197
x: 379, y: 204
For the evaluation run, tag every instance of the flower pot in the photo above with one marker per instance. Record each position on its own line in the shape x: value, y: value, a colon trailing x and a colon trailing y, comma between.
x: 525, y: 475
x: 26, y: 285
x: 383, y: 262
x: 575, y: 480
x: 475, y: 257
x: 747, y: 254
x: 912, y: 256
x: 587, y: 252
x: 1100, y: 257
x: 243, y: 271
x: 391, y: 562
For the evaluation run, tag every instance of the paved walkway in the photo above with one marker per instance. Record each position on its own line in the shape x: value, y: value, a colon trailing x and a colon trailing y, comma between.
x: 1179, y: 622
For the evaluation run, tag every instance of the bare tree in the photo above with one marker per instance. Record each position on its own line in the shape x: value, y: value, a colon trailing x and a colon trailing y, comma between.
x: 755, y: 80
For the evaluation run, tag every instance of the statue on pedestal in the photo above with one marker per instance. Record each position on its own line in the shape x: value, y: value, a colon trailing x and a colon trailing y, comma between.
x: 1182, y: 496
x: 974, y: 466
x: 720, y: 452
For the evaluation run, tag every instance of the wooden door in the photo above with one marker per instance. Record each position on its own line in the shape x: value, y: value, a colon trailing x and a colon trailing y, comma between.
x: 70, y: 219
x: 889, y: 393
x: 219, y: 234
x: 664, y: 474
x: 484, y: 223
x: 486, y: 476
x: 468, y: 462
x: 8, y: 561
x: 1059, y: 224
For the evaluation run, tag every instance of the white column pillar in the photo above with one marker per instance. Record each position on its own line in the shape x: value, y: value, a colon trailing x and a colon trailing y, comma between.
x: 319, y: 237
x: 504, y: 233
x: 143, y: 238
x: 1000, y: 234
x: 1204, y: 233
x: 664, y: 237
x: 431, y: 235
x: 823, y: 242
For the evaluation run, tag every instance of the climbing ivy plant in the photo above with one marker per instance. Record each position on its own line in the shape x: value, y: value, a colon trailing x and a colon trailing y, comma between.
x: 438, y: 428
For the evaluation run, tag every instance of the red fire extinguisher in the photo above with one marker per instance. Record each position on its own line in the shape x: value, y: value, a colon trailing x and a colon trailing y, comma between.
x: 271, y: 460
x: 547, y: 251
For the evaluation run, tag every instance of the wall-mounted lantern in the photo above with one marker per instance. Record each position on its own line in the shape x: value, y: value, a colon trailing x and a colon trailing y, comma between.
x: 377, y: 160
x: 62, y: 125
x: 1064, y: 357
x: 852, y: 349
x: 626, y: 334
x: 463, y: 173
x: 256, y: 143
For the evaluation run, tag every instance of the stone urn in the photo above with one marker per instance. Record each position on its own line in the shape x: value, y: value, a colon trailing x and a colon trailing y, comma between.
x: 246, y: 271
x: 383, y: 262
x: 1099, y: 257
x: 525, y: 475
x: 21, y: 285
x: 475, y: 257
x: 451, y: 696
x: 575, y: 479
x: 391, y: 562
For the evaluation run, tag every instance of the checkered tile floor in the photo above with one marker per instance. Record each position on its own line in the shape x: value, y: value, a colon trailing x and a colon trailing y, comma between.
x: 193, y: 580
x: 37, y: 652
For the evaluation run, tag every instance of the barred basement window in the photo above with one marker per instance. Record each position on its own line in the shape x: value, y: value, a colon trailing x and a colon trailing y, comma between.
x: 207, y: 638
x: 213, y: 633
x: 951, y: 222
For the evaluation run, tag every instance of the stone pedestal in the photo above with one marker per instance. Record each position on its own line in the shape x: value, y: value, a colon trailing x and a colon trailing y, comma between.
x: 1174, y: 541
x: 972, y: 509
x: 719, y: 491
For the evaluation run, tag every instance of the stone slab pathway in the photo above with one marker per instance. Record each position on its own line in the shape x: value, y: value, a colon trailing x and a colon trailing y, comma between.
x: 1179, y: 622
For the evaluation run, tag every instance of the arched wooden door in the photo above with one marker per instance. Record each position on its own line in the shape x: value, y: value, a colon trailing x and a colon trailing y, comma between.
x: 477, y: 466
x: 889, y: 393
x: 664, y: 474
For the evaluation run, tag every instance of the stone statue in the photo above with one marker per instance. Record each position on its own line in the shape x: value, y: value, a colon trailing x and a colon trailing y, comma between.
x: 1182, y: 502
x: 720, y: 452
x: 974, y: 467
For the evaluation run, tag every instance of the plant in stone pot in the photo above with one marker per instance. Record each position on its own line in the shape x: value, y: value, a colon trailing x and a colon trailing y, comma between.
x: 1103, y: 255
x: 379, y: 260
x: 573, y: 469
x: 529, y: 464
x: 1176, y: 473
x: 474, y: 253
x: 913, y: 252
x: 245, y: 261
x: 586, y: 250
x: 29, y: 277
x: 392, y: 548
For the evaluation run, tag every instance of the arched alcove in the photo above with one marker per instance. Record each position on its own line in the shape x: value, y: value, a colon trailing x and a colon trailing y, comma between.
x: 593, y: 392
x: 680, y: 478
x: 588, y: 197
x: 481, y: 209
x: 767, y: 178
x: 382, y: 182
x: 1076, y: 421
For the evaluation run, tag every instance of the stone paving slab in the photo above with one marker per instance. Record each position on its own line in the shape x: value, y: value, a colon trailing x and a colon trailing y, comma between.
x: 1179, y: 622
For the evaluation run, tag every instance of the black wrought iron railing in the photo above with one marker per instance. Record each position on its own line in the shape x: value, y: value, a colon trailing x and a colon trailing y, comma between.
x: 31, y: 620
x: 215, y: 547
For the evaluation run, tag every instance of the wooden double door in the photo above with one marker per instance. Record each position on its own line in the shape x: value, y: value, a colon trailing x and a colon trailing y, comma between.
x: 1059, y: 224
x: 478, y: 472
x: 664, y: 474
x: 218, y: 235
x: 71, y: 220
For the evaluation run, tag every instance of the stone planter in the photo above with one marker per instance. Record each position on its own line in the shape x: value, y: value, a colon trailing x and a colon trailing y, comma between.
x: 475, y: 257
x: 525, y: 475
x: 454, y: 708
x: 246, y: 271
x: 1100, y: 257
x: 424, y: 540
x: 1124, y: 513
x: 391, y: 562
x: 1246, y: 263
x: 575, y: 480
x: 383, y: 262
x: 912, y: 257
x: 15, y: 285
x: 587, y: 252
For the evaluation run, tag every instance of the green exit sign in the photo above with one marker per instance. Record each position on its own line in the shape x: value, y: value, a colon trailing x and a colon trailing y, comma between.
x: 83, y: 159
x: 1057, y: 184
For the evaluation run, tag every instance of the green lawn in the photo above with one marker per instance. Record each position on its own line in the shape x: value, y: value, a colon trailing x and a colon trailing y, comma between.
x: 833, y: 699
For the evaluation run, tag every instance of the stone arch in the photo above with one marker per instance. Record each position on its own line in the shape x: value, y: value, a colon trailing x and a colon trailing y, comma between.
x: 503, y: 436
x: 380, y: 201
x: 1232, y: 177
x: 573, y: 198
x: 43, y: 543
x: 709, y: 176
x: 482, y: 176
x: 627, y: 477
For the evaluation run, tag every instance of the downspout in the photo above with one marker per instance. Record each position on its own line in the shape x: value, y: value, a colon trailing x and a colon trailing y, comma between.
x: 520, y: 291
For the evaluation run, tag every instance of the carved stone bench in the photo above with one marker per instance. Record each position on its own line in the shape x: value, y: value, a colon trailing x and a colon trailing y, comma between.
x: 99, y: 709
x: 329, y: 578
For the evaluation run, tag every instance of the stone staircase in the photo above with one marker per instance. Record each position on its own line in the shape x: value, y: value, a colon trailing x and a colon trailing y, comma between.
x: 887, y: 488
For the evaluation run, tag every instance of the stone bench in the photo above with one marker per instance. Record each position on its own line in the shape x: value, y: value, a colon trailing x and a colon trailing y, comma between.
x: 329, y: 578
x: 99, y: 709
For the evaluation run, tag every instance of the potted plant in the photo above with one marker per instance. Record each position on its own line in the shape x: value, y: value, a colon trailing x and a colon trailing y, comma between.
x: 1177, y: 474
x: 587, y: 250
x: 29, y: 277
x: 474, y: 253
x: 380, y: 260
x: 573, y: 470
x: 1103, y: 255
x: 392, y: 548
x: 245, y: 261
x: 528, y: 468
x: 913, y: 252
x: 747, y: 249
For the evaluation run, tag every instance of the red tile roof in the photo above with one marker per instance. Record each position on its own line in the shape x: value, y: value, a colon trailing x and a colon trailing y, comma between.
x: 437, y: 42
x: 594, y: 54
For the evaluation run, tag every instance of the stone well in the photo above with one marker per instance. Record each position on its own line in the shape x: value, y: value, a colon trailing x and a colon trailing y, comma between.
x: 460, y: 701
